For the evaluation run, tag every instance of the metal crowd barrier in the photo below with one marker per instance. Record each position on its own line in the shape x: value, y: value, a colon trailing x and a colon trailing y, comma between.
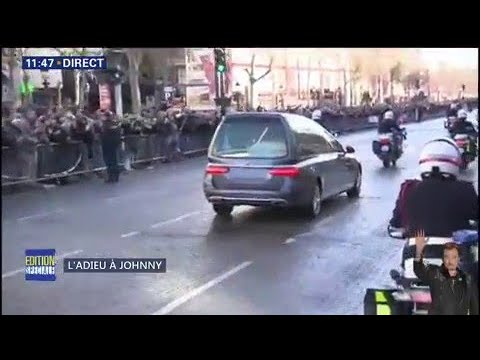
x: 45, y: 162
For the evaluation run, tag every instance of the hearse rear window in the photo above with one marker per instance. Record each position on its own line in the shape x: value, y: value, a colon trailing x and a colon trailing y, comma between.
x: 251, y: 137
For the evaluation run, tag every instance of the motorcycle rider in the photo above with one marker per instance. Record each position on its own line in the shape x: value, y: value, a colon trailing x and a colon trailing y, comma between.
x: 451, y: 114
x: 438, y: 204
x: 390, y: 125
x: 452, y: 111
x: 462, y: 125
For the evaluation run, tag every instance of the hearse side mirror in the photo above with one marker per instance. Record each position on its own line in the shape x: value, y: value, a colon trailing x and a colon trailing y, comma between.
x: 349, y: 149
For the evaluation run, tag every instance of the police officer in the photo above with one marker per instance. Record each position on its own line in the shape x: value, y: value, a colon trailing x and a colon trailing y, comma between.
x: 390, y: 125
x: 451, y: 115
x: 462, y: 125
x: 452, y: 111
x: 111, y: 138
x: 440, y: 204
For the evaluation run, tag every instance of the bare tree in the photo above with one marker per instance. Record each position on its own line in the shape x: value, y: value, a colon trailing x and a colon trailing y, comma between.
x: 14, y: 56
x: 253, y: 79
x: 308, y: 80
x: 412, y: 80
x: 355, y: 75
x: 134, y: 56
x: 395, y: 76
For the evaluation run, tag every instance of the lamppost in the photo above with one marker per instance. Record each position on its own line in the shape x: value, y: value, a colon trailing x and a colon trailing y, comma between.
x: 159, y: 91
x: 237, y: 93
x: 281, y: 99
x: 46, y: 87
x: 59, y: 95
x: 45, y: 83
x: 115, y: 58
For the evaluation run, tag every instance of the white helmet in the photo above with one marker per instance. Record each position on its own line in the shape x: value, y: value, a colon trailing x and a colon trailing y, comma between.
x: 462, y: 114
x: 388, y: 115
x: 453, y: 106
x: 317, y: 114
x: 441, y: 154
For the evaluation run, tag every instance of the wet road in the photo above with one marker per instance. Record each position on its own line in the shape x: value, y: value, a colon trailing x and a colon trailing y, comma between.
x: 260, y: 262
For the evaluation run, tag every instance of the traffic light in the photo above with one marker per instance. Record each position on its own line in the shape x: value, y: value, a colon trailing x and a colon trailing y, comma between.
x: 220, y: 60
x: 26, y: 89
x: 463, y: 87
x: 117, y: 75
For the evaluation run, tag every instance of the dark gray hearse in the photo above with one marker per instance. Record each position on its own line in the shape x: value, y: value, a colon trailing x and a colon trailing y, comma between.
x: 277, y: 159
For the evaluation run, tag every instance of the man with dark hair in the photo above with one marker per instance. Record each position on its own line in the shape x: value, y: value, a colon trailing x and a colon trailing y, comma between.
x: 453, y: 291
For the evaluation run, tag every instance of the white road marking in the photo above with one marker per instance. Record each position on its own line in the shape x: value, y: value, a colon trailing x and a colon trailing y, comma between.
x: 24, y: 218
x: 163, y: 223
x: 58, y: 257
x: 289, y: 241
x: 49, y: 186
x: 304, y: 234
x: 133, y: 233
x: 201, y: 289
x: 326, y: 220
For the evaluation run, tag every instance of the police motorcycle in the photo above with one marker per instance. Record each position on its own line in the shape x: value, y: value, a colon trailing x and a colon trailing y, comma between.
x: 467, y: 146
x: 409, y: 296
x: 384, y: 147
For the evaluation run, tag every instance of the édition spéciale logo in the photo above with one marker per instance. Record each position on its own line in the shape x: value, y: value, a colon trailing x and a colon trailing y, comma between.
x: 40, y: 265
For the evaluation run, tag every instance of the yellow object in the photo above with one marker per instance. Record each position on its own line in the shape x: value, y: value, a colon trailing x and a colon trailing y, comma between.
x: 383, y: 309
x: 382, y: 303
x: 380, y: 297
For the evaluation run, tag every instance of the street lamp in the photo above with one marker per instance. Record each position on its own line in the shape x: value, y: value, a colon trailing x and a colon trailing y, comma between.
x: 237, y: 92
x: 45, y: 82
x: 59, y: 95
x: 280, y: 97
x: 115, y: 62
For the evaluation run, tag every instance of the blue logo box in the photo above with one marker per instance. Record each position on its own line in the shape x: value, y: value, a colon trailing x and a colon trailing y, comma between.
x: 40, y: 265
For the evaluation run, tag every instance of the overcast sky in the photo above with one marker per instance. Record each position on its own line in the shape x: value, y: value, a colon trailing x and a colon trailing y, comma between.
x: 458, y: 57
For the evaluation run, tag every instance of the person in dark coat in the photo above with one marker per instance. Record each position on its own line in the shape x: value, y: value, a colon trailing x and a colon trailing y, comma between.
x: 441, y: 203
x: 111, y: 138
